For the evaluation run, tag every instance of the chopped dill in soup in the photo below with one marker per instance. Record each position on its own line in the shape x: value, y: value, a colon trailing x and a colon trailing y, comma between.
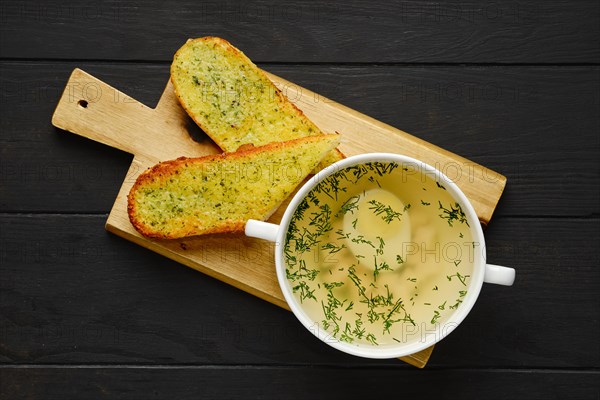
x: 377, y: 248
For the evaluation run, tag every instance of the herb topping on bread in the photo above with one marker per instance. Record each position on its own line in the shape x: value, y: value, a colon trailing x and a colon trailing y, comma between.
x: 219, y: 193
x: 234, y: 101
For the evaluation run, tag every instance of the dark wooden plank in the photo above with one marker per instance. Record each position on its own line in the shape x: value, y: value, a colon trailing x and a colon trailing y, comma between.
x: 293, y: 383
x: 72, y: 293
x: 554, y: 298
x: 536, y: 125
x: 505, y: 31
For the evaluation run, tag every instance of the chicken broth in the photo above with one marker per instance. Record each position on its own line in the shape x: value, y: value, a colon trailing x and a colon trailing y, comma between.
x: 377, y: 248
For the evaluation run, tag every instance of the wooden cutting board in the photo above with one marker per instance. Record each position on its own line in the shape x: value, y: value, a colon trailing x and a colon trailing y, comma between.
x: 91, y: 108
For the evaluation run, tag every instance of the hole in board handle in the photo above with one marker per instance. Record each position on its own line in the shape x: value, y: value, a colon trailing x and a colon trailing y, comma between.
x: 82, y: 103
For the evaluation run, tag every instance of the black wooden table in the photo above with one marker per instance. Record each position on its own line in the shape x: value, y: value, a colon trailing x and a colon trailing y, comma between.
x: 513, y: 85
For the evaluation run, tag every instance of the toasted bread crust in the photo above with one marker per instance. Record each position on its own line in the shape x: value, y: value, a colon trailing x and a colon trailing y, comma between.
x: 174, y: 176
x: 231, y: 137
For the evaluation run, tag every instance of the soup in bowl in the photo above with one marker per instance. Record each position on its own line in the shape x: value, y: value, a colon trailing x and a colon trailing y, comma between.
x: 380, y: 255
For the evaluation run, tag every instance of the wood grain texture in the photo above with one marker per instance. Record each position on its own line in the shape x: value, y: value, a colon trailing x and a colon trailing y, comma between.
x: 504, y: 31
x: 73, y: 294
x: 294, y: 383
x: 513, y: 85
x: 499, y: 116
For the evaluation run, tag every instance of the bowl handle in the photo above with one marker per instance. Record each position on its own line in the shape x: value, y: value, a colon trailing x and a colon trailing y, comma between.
x: 499, y: 275
x: 262, y: 230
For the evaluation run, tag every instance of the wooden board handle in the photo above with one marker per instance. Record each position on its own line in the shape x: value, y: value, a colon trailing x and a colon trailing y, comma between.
x: 89, y: 107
